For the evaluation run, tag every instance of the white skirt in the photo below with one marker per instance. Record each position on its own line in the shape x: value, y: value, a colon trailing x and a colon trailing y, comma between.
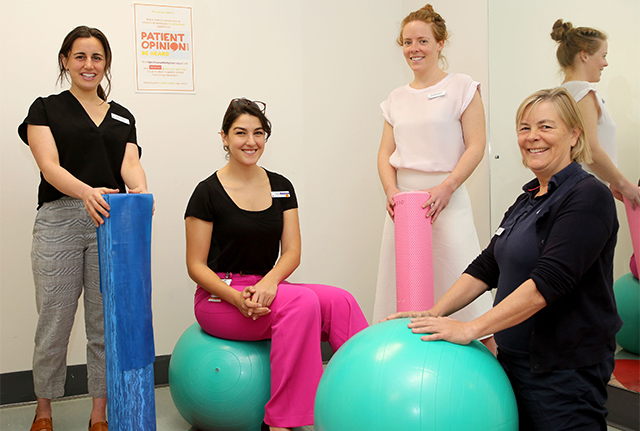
x: 455, y: 245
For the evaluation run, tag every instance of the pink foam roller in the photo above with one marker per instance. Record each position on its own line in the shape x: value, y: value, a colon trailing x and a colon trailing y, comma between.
x: 633, y: 216
x: 414, y: 253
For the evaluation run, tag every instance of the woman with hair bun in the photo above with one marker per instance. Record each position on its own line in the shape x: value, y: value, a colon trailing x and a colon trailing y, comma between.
x: 433, y: 139
x: 582, y: 55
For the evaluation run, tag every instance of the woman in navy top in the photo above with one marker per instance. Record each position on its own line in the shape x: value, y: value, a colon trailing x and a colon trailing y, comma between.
x: 85, y: 147
x: 551, y: 261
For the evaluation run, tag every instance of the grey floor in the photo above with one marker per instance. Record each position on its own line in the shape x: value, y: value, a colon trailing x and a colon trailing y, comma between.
x: 73, y: 415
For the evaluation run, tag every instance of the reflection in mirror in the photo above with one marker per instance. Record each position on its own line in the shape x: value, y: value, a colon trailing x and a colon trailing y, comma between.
x: 522, y: 60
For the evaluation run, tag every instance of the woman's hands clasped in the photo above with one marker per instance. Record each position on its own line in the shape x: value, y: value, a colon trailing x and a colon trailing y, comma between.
x: 257, y: 299
x: 248, y: 307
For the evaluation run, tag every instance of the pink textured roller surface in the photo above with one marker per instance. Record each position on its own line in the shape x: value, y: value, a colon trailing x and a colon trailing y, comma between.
x: 633, y: 216
x: 414, y: 253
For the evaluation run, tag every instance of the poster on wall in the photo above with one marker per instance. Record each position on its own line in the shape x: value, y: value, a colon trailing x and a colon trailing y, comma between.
x: 164, y: 49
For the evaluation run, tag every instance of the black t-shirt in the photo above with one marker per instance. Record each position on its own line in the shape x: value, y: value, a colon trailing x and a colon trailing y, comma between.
x: 93, y: 154
x: 242, y: 241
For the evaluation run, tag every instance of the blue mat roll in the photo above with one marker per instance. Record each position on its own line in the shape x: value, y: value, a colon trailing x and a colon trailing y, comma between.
x: 124, y: 246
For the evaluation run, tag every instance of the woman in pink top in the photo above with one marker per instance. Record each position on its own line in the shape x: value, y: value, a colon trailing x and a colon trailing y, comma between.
x: 433, y: 139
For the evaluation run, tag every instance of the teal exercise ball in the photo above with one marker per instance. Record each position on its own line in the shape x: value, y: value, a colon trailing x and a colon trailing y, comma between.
x: 627, y: 292
x: 218, y: 384
x: 387, y: 378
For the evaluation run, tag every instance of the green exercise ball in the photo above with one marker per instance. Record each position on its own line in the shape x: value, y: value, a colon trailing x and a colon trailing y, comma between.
x: 627, y: 292
x: 387, y: 378
x: 218, y: 384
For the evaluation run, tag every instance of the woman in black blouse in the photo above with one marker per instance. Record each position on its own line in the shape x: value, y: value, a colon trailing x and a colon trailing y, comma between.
x: 85, y: 147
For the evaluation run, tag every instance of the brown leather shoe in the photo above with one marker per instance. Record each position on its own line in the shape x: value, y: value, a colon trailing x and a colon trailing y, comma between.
x: 43, y: 424
x: 98, y: 426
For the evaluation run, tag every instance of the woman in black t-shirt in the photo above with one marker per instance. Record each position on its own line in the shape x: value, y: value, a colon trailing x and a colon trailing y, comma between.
x: 243, y: 241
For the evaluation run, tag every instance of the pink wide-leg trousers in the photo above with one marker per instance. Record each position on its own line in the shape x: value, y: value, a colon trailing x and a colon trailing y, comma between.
x: 301, y: 316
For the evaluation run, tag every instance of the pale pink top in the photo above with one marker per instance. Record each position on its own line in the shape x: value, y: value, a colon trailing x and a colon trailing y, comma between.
x: 606, y: 125
x: 426, y: 123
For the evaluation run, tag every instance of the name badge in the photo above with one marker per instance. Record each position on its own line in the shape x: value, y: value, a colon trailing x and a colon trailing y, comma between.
x: 214, y: 298
x: 282, y: 194
x: 499, y: 231
x: 435, y: 95
x: 119, y: 118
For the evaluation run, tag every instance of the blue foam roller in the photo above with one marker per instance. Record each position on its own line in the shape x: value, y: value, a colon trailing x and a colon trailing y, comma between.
x: 124, y: 246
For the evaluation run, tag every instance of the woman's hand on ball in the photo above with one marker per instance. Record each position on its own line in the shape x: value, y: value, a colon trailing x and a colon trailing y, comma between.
x: 443, y: 328
x: 404, y: 314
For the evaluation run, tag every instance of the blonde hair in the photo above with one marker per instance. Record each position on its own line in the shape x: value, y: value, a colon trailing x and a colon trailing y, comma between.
x: 572, y: 41
x: 429, y: 16
x: 568, y: 111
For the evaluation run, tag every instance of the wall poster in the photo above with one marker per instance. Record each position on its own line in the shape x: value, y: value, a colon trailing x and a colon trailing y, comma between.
x: 164, y: 49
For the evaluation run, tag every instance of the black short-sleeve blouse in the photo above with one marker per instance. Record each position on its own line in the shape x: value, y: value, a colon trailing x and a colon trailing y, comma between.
x: 91, y: 153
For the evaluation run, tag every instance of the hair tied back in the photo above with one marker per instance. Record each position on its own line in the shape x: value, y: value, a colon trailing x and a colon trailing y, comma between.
x: 561, y: 30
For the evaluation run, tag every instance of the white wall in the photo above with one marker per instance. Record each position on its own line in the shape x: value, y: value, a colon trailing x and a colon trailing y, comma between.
x: 522, y: 61
x: 323, y: 67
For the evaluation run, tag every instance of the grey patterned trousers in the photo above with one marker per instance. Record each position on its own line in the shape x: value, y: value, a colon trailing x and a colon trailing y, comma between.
x: 64, y: 259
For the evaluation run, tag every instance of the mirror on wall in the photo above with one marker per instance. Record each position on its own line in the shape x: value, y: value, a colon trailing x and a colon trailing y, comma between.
x: 522, y: 60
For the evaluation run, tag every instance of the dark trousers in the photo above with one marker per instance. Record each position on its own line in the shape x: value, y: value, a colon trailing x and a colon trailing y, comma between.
x: 561, y: 400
